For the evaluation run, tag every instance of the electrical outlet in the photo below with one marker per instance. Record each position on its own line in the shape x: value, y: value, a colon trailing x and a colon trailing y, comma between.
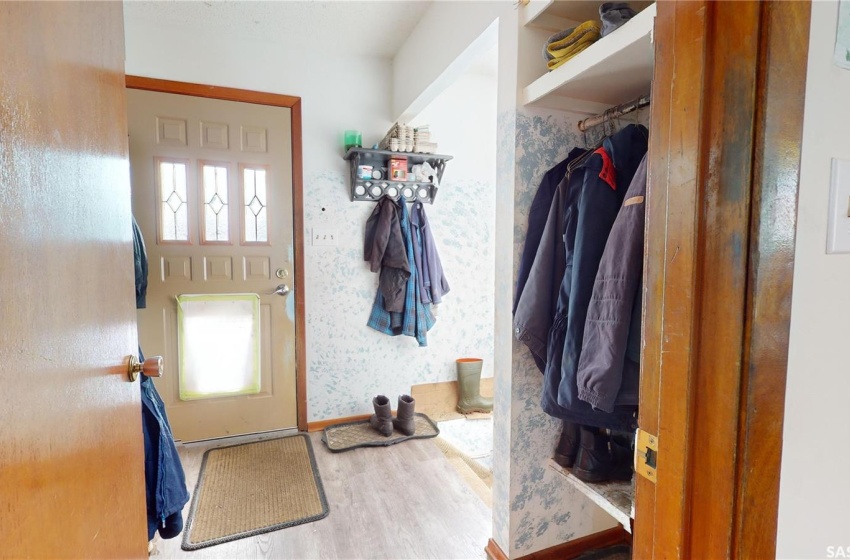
x: 324, y: 237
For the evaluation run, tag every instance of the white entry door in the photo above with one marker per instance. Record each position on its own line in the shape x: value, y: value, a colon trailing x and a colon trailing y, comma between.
x: 212, y: 193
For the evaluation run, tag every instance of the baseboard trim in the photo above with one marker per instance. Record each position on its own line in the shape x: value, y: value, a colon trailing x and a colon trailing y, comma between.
x: 573, y: 549
x: 567, y: 550
x: 494, y: 551
x: 320, y: 425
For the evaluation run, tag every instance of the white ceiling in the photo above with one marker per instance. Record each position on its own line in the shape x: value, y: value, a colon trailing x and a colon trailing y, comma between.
x: 364, y: 27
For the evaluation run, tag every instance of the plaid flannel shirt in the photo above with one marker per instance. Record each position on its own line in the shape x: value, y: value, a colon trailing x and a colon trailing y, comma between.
x: 416, y: 319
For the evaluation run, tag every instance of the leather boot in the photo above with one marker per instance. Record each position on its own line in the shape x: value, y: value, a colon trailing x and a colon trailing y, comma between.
x: 595, y: 462
x: 404, y: 421
x: 469, y: 385
x: 623, y: 455
x: 382, y: 420
x: 567, y: 449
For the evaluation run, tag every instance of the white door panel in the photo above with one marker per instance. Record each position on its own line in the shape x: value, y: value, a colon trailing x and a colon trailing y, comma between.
x: 205, y: 236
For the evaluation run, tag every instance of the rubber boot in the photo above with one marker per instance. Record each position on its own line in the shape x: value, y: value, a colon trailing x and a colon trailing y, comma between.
x: 469, y: 385
x: 567, y: 449
x: 404, y: 421
x: 382, y: 420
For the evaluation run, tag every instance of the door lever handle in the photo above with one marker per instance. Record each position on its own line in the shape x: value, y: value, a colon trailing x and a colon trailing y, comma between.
x: 151, y: 367
x: 281, y: 290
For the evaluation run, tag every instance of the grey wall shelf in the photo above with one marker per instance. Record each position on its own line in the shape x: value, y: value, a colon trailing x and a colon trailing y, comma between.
x: 373, y: 189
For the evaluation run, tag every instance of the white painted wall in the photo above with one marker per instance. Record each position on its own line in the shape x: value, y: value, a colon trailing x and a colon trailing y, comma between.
x: 463, y: 123
x: 814, y: 486
x: 347, y: 363
x: 436, y: 52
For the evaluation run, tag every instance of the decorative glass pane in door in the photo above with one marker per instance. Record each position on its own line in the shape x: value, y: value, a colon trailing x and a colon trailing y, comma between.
x: 255, y: 223
x: 215, y: 213
x: 172, y: 192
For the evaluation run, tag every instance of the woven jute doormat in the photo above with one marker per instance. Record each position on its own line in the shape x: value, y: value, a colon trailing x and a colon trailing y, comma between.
x: 253, y: 488
x: 351, y: 435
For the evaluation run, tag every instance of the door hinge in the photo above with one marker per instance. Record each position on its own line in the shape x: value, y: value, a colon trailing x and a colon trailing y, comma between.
x: 646, y: 455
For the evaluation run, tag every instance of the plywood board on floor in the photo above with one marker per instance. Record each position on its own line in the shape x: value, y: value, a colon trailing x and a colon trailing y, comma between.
x: 439, y: 400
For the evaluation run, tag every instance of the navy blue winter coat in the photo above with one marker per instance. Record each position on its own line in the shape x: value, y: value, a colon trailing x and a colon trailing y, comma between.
x: 165, y: 481
x: 594, y: 198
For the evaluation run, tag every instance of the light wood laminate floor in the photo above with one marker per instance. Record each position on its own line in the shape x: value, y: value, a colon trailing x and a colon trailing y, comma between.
x: 402, y: 501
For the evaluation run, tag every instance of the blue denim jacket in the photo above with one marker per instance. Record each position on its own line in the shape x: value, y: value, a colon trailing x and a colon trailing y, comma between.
x: 165, y: 481
x: 429, y: 269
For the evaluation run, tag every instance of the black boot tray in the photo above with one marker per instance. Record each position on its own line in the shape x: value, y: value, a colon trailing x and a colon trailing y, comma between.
x: 351, y: 435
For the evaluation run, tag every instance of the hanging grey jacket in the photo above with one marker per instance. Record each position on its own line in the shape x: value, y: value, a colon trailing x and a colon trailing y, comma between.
x: 536, y: 306
x: 384, y: 249
x: 608, y: 370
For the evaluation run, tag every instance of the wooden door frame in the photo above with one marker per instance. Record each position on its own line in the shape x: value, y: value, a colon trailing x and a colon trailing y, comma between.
x: 294, y: 105
x: 727, y: 115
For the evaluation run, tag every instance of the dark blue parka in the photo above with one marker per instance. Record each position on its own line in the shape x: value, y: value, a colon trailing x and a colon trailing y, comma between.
x: 594, y: 197
x: 165, y: 481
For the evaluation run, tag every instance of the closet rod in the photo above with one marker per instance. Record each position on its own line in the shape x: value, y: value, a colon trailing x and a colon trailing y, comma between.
x: 614, y: 112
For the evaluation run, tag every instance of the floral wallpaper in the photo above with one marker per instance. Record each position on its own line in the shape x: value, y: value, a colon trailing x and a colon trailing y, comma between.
x: 348, y: 363
x: 544, y: 510
x: 506, y: 132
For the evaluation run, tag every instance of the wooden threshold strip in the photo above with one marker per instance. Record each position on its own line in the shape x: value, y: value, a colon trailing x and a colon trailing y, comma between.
x: 320, y: 425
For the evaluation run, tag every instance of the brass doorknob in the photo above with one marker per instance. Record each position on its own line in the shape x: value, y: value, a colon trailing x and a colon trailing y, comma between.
x: 151, y: 367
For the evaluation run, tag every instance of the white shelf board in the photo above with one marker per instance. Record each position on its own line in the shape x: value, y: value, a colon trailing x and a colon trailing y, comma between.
x: 540, y: 14
x: 536, y: 13
x: 615, y: 497
x: 616, y: 69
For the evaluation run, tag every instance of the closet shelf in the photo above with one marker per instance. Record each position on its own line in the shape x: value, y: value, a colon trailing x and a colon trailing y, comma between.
x: 613, y: 70
x: 557, y: 15
x: 616, y: 498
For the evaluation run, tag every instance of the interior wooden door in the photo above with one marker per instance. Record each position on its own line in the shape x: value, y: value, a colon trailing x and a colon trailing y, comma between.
x: 71, y: 452
x: 727, y: 106
x: 212, y: 193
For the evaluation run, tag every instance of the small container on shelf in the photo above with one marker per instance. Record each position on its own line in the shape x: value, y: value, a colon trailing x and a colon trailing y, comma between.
x: 353, y: 139
x: 398, y: 168
x: 364, y: 172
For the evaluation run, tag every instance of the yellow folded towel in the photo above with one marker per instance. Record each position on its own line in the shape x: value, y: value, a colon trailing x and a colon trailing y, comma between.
x: 588, y: 30
x: 556, y: 62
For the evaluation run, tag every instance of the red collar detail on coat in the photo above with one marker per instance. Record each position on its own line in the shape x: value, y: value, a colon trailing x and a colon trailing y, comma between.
x: 608, y: 173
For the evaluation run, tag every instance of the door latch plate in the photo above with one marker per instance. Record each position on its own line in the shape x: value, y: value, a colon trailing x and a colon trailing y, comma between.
x: 646, y: 455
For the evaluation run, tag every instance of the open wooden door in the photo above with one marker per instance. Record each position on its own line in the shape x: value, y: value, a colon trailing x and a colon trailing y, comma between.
x: 727, y: 108
x: 71, y: 456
